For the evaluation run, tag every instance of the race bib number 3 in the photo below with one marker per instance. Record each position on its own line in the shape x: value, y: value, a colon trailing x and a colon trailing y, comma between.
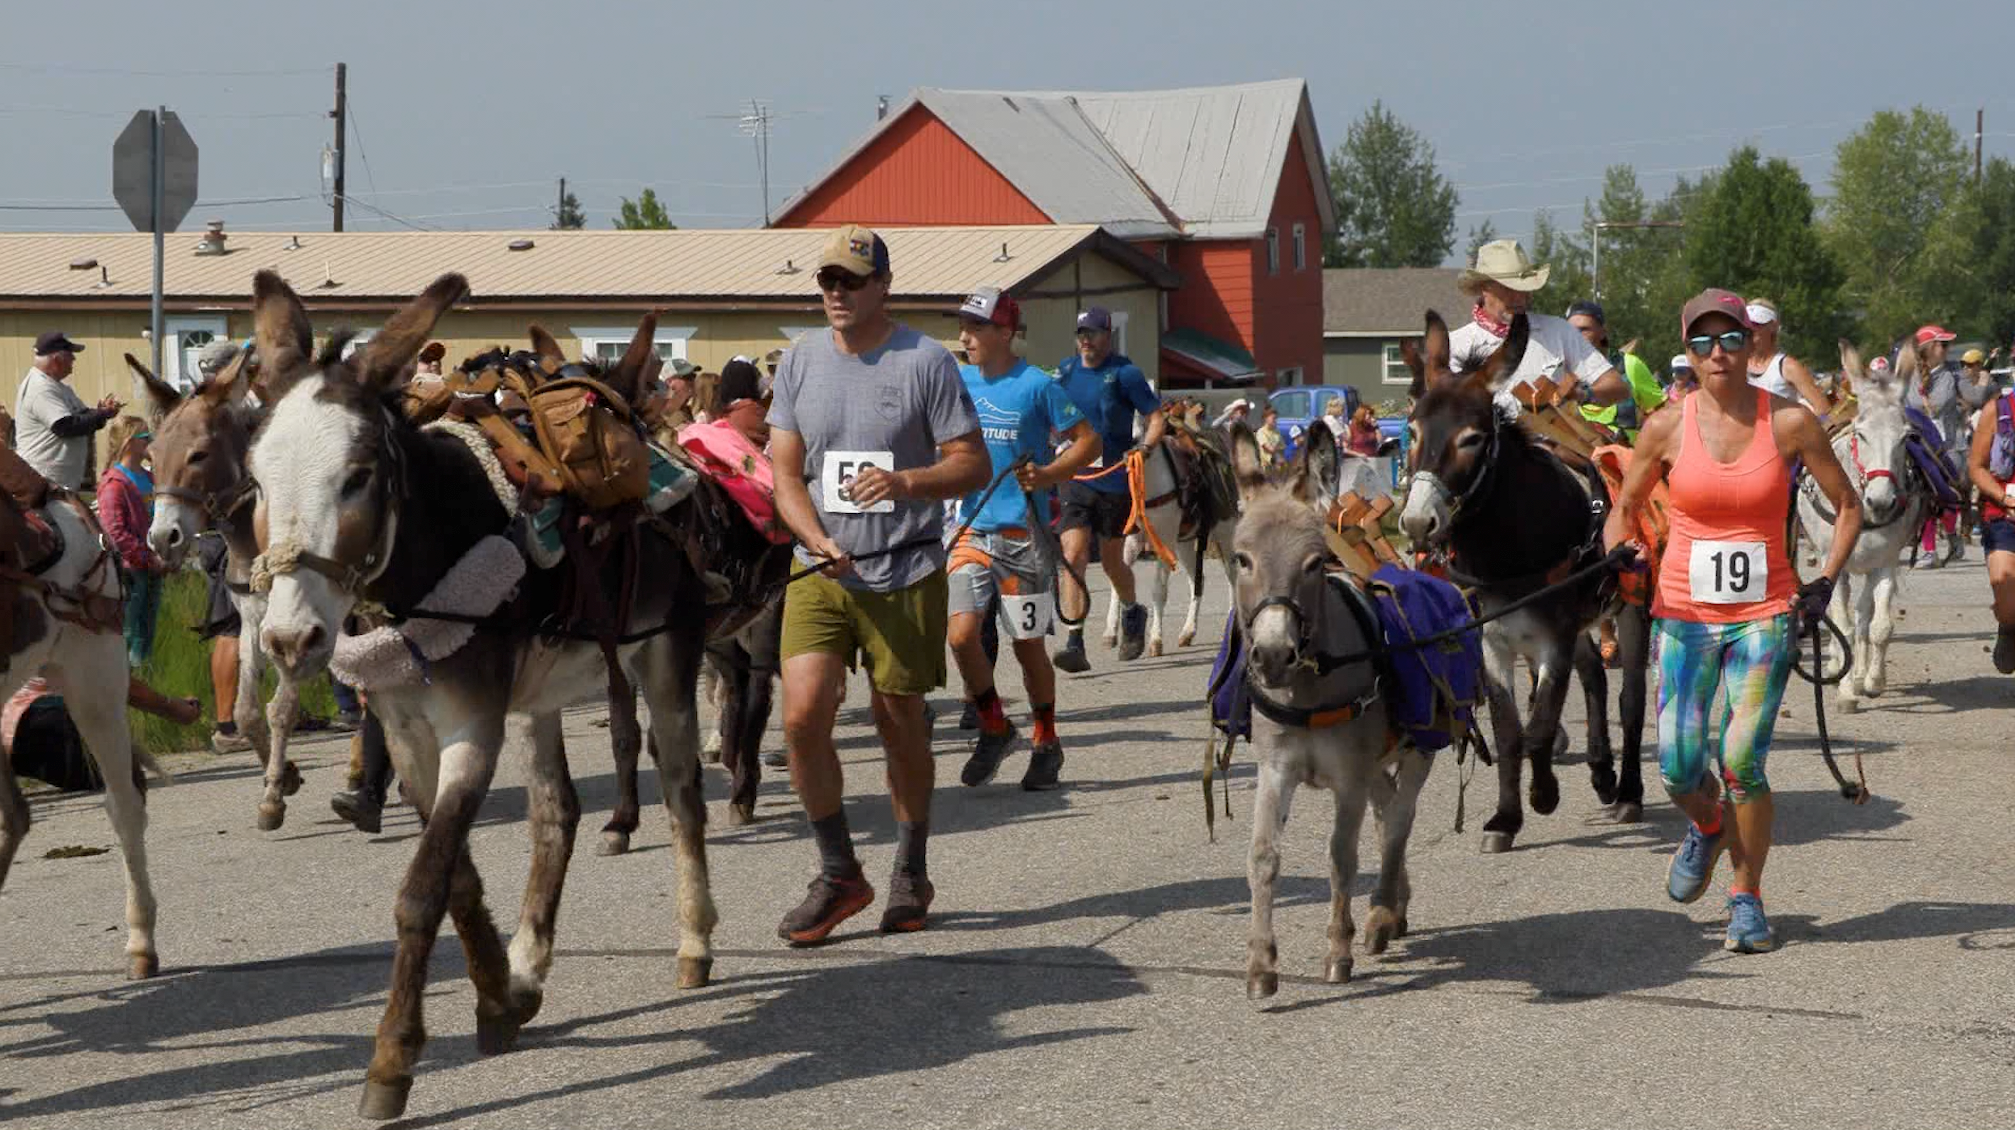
x: 1729, y: 572
x: 837, y: 480
x: 1028, y: 617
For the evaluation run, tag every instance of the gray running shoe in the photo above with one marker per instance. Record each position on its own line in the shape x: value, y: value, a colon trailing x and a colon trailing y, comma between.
x: 989, y: 750
x: 1043, y: 766
x: 1070, y: 657
x: 1132, y: 632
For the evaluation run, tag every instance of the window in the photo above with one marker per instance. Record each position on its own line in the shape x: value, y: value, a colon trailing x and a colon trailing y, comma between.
x: 1289, y: 377
x: 1292, y: 405
x: 1394, y: 370
x: 183, y: 340
x: 1300, y: 247
x: 605, y: 345
x: 1119, y: 321
x: 1273, y: 251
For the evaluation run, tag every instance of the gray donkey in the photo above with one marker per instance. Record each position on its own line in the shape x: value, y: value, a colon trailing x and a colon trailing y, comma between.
x: 1317, y: 723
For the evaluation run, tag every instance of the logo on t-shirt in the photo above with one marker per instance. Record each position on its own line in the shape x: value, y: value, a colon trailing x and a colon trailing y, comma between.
x: 889, y: 402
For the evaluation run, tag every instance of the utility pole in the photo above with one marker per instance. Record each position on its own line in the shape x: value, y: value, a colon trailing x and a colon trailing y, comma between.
x: 756, y: 123
x: 1979, y: 132
x: 560, y: 209
x: 341, y: 114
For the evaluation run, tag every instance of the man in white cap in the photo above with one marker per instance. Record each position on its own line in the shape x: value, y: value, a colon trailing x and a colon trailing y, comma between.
x: 1773, y: 369
x: 1502, y: 282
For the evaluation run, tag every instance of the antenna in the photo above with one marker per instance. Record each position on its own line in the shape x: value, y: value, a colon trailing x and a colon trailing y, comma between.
x: 756, y: 124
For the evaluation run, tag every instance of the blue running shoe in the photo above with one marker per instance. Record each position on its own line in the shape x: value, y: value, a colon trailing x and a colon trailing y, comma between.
x: 1693, y: 864
x: 1748, y: 930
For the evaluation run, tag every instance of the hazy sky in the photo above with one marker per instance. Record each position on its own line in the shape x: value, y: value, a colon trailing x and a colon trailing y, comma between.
x: 466, y: 114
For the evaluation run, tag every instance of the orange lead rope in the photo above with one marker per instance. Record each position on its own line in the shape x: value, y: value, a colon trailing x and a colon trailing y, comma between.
x: 1136, y: 519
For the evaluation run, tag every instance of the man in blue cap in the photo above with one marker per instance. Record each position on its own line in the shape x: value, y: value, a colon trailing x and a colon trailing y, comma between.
x: 1110, y: 390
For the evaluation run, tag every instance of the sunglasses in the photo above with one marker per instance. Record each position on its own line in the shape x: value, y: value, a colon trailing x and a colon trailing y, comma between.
x: 1700, y: 345
x: 832, y: 278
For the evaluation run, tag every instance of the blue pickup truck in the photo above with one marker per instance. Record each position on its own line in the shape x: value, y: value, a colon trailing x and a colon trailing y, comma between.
x: 1300, y: 406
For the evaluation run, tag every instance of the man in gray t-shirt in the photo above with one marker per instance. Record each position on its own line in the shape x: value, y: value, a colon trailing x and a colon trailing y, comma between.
x: 871, y: 431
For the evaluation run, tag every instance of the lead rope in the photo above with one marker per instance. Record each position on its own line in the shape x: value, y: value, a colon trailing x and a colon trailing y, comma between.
x: 1857, y: 791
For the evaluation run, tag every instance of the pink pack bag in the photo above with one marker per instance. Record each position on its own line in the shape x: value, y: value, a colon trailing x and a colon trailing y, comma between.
x: 741, y: 468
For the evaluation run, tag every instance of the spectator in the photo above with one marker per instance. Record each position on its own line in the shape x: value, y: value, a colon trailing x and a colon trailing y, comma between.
x: 1364, y: 437
x: 1272, y: 445
x: 54, y: 424
x: 126, y: 510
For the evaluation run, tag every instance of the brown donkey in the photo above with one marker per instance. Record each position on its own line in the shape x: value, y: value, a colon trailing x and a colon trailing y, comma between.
x: 362, y: 513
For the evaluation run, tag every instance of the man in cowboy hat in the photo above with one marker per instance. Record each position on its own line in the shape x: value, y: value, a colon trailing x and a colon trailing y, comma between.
x: 1503, y: 282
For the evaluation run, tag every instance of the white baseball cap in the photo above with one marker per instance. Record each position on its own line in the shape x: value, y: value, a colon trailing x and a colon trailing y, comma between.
x: 1682, y: 364
x: 1761, y: 313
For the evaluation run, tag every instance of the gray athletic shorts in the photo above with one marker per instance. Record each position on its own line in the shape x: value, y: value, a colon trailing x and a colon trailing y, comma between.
x: 1009, y: 566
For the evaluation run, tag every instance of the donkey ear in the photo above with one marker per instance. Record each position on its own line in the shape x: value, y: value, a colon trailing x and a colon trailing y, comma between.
x: 551, y: 357
x: 1318, y: 469
x: 285, y: 338
x: 1245, y: 461
x: 1498, y: 368
x: 1850, y: 361
x: 231, y: 384
x: 1906, y: 363
x: 391, y: 352
x: 162, y: 397
x: 628, y: 375
x: 1434, y: 343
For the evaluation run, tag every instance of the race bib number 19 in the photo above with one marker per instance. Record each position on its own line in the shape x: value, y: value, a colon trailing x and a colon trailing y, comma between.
x: 837, y: 480
x: 1729, y: 572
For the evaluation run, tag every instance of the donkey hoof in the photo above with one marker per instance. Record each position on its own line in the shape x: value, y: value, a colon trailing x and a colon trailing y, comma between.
x: 290, y: 779
x: 695, y: 972
x: 741, y: 813
x: 383, y: 1102
x: 1627, y: 812
x: 1850, y: 705
x: 1154, y: 648
x: 1109, y: 641
x: 1496, y: 843
x: 140, y: 966
x: 1603, y: 778
x: 1337, y: 971
x: 1183, y: 640
x: 272, y: 814
x: 613, y: 843
x: 1380, y: 929
x: 1545, y: 796
x: 526, y: 1000
x: 1259, y: 986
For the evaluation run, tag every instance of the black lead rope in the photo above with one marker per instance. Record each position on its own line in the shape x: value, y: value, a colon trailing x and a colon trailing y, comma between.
x: 1856, y: 791
x: 819, y: 563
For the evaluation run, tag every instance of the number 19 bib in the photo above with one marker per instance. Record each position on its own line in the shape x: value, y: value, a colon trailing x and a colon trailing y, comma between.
x: 1729, y: 572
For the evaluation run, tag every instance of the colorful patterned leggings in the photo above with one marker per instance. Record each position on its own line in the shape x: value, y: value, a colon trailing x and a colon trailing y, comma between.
x: 1750, y: 663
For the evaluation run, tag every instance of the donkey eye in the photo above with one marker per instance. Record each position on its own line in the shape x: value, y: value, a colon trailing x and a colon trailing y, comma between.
x: 1473, y: 439
x: 358, y: 480
x: 1244, y: 561
x: 1313, y: 565
x: 198, y: 455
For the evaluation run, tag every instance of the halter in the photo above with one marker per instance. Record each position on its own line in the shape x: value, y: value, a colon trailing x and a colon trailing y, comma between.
x: 1319, y: 663
x: 1811, y: 487
x: 1486, y: 463
x: 216, y: 505
x: 288, y: 555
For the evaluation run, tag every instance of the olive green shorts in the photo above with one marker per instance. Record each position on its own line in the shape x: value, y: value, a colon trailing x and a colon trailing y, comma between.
x: 901, y: 634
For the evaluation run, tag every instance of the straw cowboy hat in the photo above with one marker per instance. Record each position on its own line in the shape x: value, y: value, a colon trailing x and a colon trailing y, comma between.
x: 1502, y: 261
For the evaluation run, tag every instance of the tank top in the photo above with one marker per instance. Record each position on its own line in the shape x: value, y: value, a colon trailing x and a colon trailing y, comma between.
x: 1771, y: 379
x: 1725, y: 562
x: 2001, y: 415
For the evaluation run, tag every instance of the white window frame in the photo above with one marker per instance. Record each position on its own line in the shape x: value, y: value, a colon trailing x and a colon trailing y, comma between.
x: 178, y: 356
x: 1273, y: 251
x: 1394, y: 362
x: 1300, y: 248
x: 671, y: 341
x: 1120, y: 318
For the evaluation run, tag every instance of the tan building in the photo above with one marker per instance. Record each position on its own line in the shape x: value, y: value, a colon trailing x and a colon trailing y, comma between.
x: 718, y: 293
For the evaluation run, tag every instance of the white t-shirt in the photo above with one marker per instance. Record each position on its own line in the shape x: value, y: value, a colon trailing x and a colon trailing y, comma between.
x: 1553, y: 346
x: 43, y: 401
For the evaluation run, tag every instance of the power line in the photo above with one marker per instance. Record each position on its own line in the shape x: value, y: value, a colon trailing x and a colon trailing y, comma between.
x: 205, y: 73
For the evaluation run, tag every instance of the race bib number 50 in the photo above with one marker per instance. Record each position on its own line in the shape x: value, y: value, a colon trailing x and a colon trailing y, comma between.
x: 1729, y: 572
x: 837, y: 480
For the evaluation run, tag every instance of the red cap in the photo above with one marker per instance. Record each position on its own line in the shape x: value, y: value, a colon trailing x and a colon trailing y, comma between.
x: 991, y: 304
x: 1928, y: 334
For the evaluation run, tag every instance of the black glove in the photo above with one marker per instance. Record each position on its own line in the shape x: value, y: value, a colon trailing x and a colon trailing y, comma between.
x: 1814, y: 597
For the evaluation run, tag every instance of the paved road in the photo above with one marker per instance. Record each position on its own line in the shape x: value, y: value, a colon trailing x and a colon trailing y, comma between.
x: 1084, y: 966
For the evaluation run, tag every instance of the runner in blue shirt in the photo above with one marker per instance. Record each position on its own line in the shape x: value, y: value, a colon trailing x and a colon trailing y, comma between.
x: 1109, y: 390
x: 999, y: 560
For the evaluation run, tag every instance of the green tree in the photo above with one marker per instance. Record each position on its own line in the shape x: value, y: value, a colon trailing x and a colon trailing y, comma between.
x: 645, y: 213
x: 570, y: 217
x: 1393, y: 206
x: 1993, y: 262
x: 1750, y: 230
x: 1896, y: 180
x: 1479, y: 234
x: 1567, y: 262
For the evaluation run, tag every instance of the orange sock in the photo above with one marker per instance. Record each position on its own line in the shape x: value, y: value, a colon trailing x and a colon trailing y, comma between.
x: 1045, y: 723
x: 992, y: 719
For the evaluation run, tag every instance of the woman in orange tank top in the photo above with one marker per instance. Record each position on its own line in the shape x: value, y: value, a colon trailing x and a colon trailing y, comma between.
x: 1991, y: 465
x: 1727, y: 596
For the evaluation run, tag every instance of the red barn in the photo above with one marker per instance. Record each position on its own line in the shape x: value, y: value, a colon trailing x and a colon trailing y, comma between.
x: 1226, y: 184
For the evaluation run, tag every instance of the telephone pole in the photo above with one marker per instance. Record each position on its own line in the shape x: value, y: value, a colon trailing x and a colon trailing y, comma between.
x: 560, y: 210
x: 756, y: 123
x: 340, y: 113
x: 1979, y: 133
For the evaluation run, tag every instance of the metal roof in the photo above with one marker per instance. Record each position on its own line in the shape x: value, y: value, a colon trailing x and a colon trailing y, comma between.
x: 1389, y: 302
x: 641, y: 266
x: 1205, y: 159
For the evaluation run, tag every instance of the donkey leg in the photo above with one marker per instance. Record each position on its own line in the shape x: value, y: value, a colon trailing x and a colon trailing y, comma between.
x: 1157, y: 604
x: 1350, y: 803
x: 1396, y: 805
x: 1594, y: 677
x: 101, y: 721
x: 1269, y: 816
x: 1110, y: 637
x: 1843, y: 610
x: 1541, y: 733
x: 1881, y: 629
x: 1504, y: 824
x: 758, y: 685
x: 1633, y: 634
x: 497, y: 1016
x: 14, y: 818
x: 555, y: 814
x: 626, y: 745
x: 675, y: 660
x: 283, y: 779
x: 466, y: 763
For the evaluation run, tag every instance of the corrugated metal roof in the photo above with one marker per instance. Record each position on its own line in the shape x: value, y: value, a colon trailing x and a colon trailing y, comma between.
x: 1209, y: 158
x: 1046, y: 148
x: 625, y: 265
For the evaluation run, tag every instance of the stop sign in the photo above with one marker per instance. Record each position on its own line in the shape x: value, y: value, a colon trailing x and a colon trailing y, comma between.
x: 133, y: 170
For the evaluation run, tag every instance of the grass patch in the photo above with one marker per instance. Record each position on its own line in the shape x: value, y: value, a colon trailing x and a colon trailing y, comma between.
x: 180, y: 668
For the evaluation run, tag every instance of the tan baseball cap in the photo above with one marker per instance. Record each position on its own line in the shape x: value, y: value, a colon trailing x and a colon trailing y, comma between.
x: 857, y: 250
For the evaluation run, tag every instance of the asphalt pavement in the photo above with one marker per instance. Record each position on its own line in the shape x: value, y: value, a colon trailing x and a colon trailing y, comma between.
x: 1085, y: 960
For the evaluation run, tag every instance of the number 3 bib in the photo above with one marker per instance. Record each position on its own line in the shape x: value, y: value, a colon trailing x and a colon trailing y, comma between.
x: 1729, y: 572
